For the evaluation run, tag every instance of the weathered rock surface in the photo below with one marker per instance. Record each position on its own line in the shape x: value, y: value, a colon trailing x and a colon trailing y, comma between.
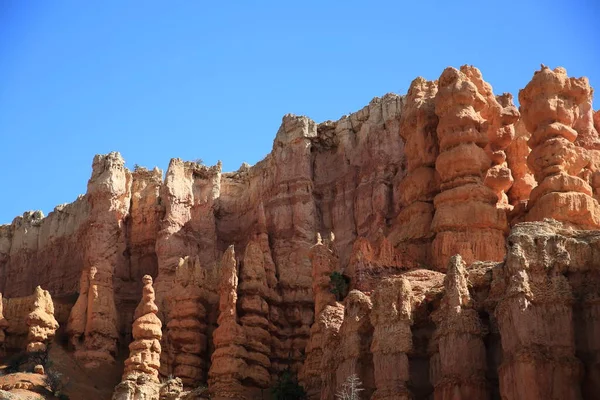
x: 459, y: 338
x: 356, y: 335
x: 328, y: 318
x: 403, y: 186
x: 144, y: 351
x: 412, y: 231
x: 551, y: 105
x: 467, y: 219
x: 392, y: 339
x: 40, y: 320
x: 29, y: 321
x: 227, y: 362
x: 186, y: 341
x: 3, y: 323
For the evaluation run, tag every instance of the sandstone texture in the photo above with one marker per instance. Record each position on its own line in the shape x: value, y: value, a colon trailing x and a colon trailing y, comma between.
x: 552, y: 105
x: 29, y: 321
x: 144, y: 351
x: 465, y: 228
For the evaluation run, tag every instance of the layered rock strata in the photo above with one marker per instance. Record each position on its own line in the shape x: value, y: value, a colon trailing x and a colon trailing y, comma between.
x: 108, y: 197
x: 412, y: 231
x: 516, y: 158
x: 535, y: 314
x: 3, y: 325
x: 145, y: 350
x: 185, y: 344
x: 459, y: 339
x: 41, y: 322
x: 372, y: 261
x: 356, y: 333
x: 326, y: 332
x: 550, y: 105
x: 29, y: 321
x: 369, y: 179
x: 324, y: 262
x: 391, y: 318
x: 189, y: 194
x: 227, y: 362
x: 254, y: 317
x: 467, y: 220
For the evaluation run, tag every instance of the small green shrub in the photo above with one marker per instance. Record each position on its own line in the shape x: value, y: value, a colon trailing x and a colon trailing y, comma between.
x: 338, y: 285
x: 287, y: 387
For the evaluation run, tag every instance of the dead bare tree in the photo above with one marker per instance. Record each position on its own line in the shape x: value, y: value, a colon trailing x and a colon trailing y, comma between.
x: 350, y: 389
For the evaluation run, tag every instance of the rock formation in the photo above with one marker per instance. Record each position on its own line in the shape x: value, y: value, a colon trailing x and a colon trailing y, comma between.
x: 372, y: 261
x: 459, y: 337
x: 104, y: 248
x: 354, y: 356
x: 328, y: 318
x: 466, y: 219
x: 416, y: 191
x: 186, y: 335
x: 227, y: 362
x: 550, y: 105
x: 516, y: 158
x: 404, y: 185
x: 188, y: 228
x: 41, y: 322
x: 78, y: 316
x: 29, y: 322
x: 144, y: 351
x: 3, y: 324
x: 325, y: 334
x: 392, y: 339
x: 254, y: 314
x: 535, y: 316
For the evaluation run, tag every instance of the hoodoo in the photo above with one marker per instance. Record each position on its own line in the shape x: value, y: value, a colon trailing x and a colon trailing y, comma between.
x: 440, y: 244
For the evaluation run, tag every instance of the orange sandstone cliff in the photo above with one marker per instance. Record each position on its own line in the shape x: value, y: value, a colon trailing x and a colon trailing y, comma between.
x: 466, y: 229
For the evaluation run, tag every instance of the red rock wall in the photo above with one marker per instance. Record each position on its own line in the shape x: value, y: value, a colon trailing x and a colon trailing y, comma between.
x: 388, y: 193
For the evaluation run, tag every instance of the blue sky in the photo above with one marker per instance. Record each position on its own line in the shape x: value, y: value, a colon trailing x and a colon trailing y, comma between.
x: 193, y: 79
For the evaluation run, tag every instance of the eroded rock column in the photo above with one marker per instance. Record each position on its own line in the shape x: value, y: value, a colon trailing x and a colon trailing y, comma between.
x: 412, y: 233
x: 144, y: 351
x: 328, y: 324
x: 467, y: 220
x: 550, y: 105
x: 3, y: 326
x: 535, y: 318
x: 186, y: 341
x: 324, y: 262
x: 104, y: 252
x: 228, y: 365
x: 516, y: 157
x: 356, y: 334
x: 41, y: 322
x: 254, y: 314
x: 459, y: 337
x: 391, y: 318
x: 188, y: 228
x: 501, y: 131
x: 78, y: 316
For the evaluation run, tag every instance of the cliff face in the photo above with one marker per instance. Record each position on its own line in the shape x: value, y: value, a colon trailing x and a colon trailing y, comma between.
x: 388, y: 196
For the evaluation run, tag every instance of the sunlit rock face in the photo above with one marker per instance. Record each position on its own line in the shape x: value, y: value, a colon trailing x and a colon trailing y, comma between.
x: 463, y: 230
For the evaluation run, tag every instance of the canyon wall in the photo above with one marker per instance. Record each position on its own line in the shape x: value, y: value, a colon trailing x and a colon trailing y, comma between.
x: 428, y: 204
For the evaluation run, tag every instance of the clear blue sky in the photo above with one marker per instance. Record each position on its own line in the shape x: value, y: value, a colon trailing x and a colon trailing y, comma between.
x: 211, y: 80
